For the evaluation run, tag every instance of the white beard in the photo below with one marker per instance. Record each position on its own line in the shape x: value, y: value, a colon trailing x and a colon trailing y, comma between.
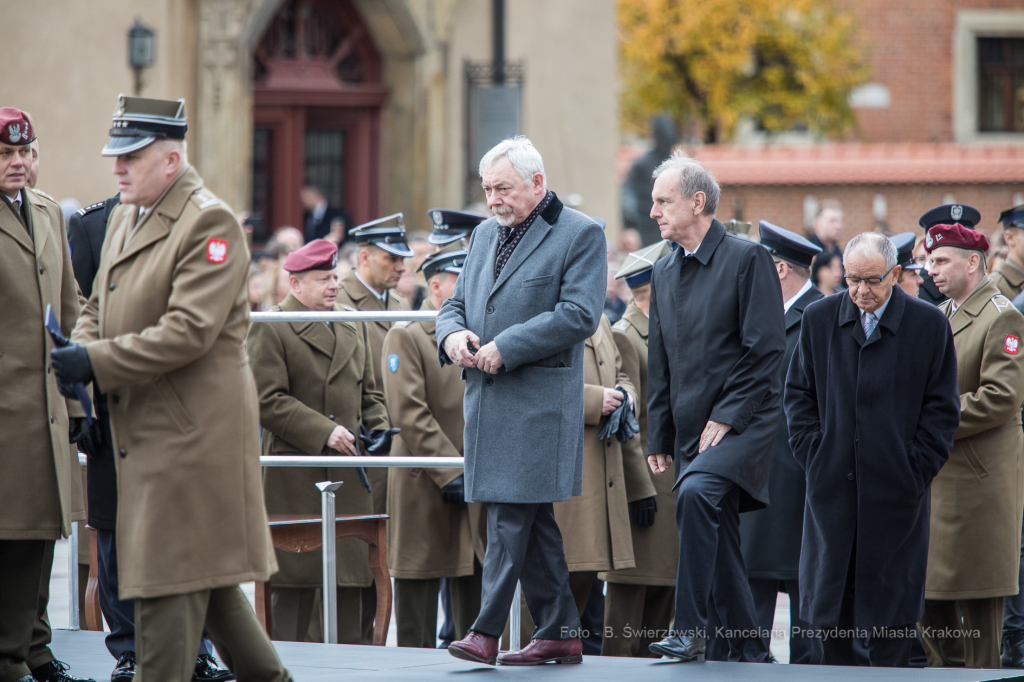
x: 504, y: 219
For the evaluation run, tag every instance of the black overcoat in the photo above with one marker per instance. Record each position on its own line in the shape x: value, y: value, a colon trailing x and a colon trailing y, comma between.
x: 716, y: 341
x: 86, y: 230
x: 770, y: 538
x: 871, y: 422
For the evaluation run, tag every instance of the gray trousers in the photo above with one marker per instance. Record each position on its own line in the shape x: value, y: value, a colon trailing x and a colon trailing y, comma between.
x: 524, y: 544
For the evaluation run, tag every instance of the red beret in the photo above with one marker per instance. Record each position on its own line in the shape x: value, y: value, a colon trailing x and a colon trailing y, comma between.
x: 954, y: 235
x: 319, y: 254
x: 15, y: 127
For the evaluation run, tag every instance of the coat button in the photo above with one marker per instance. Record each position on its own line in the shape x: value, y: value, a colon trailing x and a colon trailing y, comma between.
x: 488, y: 382
x: 48, y: 369
x: 112, y: 286
x: 123, y: 453
x: 52, y: 420
x: 600, y: 362
x: 117, y: 399
x: 41, y: 269
x: 331, y: 417
x: 611, y: 483
x: 849, y: 477
x: 490, y: 309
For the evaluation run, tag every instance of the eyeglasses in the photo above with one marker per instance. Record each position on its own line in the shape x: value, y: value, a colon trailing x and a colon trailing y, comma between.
x: 872, y: 282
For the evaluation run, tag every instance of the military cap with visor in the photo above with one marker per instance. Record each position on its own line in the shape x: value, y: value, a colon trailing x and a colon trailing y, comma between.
x: 15, y: 128
x: 379, y: 233
x: 449, y: 259
x: 1013, y: 217
x: 319, y: 254
x: 786, y: 245
x: 639, y: 265
x: 904, y: 243
x: 947, y: 214
x: 451, y: 226
x: 141, y: 121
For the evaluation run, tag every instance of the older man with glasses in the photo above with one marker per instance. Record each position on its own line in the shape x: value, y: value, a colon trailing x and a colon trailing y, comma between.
x: 870, y: 451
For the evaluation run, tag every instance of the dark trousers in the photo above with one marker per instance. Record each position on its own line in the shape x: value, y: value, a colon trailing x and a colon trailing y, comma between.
x: 802, y: 649
x: 21, y: 565
x: 1013, y: 607
x: 416, y: 608
x: 525, y: 545
x: 711, y: 570
x: 120, y: 613
x: 983, y: 616
x: 880, y: 651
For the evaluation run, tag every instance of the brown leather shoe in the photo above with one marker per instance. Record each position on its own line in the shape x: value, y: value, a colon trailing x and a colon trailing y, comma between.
x: 540, y: 651
x: 476, y: 647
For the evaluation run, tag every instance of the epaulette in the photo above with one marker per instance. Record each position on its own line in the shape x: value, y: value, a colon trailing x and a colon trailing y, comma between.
x: 403, y: 323
x: 350, y: 309
x: 621, y: 325
x: 1001, y: 303
x: 44, y: 194
x: 205, y: 200
x: 89, y: 209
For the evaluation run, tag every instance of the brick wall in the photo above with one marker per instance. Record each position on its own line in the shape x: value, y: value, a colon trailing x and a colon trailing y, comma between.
x: 783, y: 206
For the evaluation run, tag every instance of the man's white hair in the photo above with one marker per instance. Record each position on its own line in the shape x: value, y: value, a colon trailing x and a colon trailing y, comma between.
x: 693, y: 177
x: 521, y: 153
x: 870, y: 243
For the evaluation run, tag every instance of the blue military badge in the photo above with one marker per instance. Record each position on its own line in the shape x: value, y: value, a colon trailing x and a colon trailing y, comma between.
x: 393, y: 363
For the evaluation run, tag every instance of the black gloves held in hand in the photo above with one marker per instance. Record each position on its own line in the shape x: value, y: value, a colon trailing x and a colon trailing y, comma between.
x: 377, y: 442
x: 621, y: 423
x: 455, y: 492
x: 641, y: 512
x: 71, y: 366
x: 88, y: 437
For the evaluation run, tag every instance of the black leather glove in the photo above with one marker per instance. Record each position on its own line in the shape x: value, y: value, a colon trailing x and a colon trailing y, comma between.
x: 89, y: 437
x: 377, y: 442
x: 71, y: 366
x: 455, y: 492
x: 642, y: 512
x: 621, y: 423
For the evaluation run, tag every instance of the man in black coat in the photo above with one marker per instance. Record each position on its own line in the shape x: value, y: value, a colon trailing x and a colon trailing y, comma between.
x: 716, y: 341
x: 87, y: 229
x: 323, y: 221
x: 771, y: 537
x: 872, y: 402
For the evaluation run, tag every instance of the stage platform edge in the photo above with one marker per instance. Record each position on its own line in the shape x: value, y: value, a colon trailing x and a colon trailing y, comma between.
x: 88, y: 657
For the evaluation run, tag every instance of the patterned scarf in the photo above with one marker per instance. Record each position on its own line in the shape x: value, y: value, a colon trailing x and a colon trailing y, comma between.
x: 509, y: 237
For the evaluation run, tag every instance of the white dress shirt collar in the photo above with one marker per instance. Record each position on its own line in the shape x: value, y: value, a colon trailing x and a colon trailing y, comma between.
x: 796, y: 297
x: 383, y: 298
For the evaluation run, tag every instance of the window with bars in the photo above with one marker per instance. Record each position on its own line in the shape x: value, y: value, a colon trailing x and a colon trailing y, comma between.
x: 1001, y: 85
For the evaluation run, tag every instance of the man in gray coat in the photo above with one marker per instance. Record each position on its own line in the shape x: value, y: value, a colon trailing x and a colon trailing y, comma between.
x: 530, y: 294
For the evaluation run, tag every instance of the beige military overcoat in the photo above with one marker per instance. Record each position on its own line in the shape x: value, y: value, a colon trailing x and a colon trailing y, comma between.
x: 310, y: 381
x: 1009, y: 278
x: 978, y: 495
x: 595, y: 525
x: 427, y: 537
x: 655, y: 549
x: 165, y: 332
x: 354, y: 293
x: 40, y: 483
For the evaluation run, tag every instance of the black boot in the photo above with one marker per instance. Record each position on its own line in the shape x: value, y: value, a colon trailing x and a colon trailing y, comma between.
x: 1013, y: 651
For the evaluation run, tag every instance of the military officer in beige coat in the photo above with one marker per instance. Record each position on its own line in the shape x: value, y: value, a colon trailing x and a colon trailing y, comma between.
x: 40, y: 483
x: 639, y: 601
x: 432, y: 533
x: 978, y: 495
x: 596, y: 525
x: 370, y: 286
x: 1010, y: 275
x: 316, y: 388
x: 163, y: 337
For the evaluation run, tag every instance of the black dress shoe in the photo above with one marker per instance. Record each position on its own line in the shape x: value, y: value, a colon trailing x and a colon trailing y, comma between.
x: 124, y: 671
x: 55, y: 671
x: 207, y: 670
x: 1013, y: 652
x: 684, y: 648
x: 26, y: 678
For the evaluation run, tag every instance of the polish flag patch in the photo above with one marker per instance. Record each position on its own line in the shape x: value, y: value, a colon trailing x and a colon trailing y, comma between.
x: 217, y: 252
x: 1012, y: 344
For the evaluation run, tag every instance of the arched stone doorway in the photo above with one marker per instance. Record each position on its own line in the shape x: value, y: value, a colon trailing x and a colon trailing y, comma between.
x: 317, y: 95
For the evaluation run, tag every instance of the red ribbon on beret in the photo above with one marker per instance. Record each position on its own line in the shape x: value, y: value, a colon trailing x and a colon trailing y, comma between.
x: 954, y: 235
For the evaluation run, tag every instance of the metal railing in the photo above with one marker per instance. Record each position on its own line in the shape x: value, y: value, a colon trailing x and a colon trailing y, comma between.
x: 327, y: 488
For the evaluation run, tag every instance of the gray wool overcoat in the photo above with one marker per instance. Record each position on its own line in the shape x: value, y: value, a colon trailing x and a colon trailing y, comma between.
x: 524, y: 425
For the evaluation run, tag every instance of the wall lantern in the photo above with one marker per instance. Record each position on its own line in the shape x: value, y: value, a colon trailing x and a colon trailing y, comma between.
x: 141, y: 51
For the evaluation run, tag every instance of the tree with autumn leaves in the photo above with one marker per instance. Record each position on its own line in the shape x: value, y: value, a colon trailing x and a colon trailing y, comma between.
x: 709, y: 63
